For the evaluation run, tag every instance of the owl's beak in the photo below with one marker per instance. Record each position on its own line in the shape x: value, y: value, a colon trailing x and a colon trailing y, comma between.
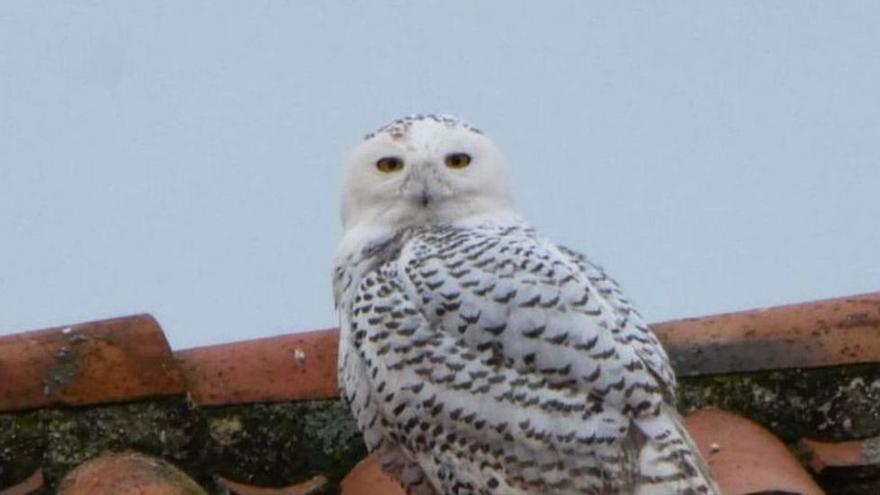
x: 425, y: 197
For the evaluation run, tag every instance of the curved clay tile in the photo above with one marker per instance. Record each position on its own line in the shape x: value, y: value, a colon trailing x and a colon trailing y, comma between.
x: 367, y: 478
x: 745, y: 458
x: 299, y: 366
x: 824, y: 456
x: 308, y: 487
x: 114, y: 360
x: 30, y: 485
x: 832, y: 332
x: 128, y: 472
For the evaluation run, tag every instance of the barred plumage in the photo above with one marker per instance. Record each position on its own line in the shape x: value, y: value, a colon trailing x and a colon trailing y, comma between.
x: 479, y: 358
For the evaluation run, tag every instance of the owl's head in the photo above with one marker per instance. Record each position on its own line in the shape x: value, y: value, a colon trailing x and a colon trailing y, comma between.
x: 424, y: 169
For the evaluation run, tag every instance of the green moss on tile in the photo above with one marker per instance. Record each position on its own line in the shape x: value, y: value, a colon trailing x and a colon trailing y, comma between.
x: 282, y: 444
x: 832, y: 404
x: 285, y: 443
x: 22, y: 442
x: 165, y: 428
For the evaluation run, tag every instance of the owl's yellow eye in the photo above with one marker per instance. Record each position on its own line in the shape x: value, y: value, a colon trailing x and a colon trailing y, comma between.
x: 389, y: 164
x: 458, y: 160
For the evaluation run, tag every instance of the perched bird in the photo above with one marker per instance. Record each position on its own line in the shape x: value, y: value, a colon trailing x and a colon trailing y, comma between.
x: 480, y: 358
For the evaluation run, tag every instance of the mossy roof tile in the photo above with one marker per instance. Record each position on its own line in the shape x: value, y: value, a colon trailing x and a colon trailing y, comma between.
x: 128, y: 360
x: 120, y: 359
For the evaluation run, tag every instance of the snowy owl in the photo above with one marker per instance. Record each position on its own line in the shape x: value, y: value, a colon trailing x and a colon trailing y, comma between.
x: 479, y: 358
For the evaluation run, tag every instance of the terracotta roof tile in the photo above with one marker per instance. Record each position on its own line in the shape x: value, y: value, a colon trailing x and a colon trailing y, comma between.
x: 819, y: 333
x: 115, y: 474
x: 298, y: 366
x: 307, y: 487
x: 30, y: 485
x: 70, y: 365
x: 128, y: 360
x: 89, y: 363
x: 852, y: 454
x: 367, y: 478
x: 745, y: 458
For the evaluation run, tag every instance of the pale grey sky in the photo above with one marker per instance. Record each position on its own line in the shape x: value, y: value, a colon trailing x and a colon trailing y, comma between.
x: 184, y: 158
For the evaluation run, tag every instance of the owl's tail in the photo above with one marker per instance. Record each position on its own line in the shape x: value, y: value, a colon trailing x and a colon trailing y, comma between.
x: 669, y: 461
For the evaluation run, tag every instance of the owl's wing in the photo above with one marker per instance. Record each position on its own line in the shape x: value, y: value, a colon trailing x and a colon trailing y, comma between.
x: 633, y: 329
x: 465, y: 419
x: 515, y: 302
x: 520, y: 301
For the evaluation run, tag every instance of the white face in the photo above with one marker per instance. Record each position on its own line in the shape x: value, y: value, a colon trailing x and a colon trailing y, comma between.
x: 428, y: 170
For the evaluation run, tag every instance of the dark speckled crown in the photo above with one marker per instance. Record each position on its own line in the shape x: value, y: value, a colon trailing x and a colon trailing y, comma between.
x: 401, y: 126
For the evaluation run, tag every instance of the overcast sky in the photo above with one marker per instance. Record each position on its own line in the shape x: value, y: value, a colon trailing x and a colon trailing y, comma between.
x: 184, y: 158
